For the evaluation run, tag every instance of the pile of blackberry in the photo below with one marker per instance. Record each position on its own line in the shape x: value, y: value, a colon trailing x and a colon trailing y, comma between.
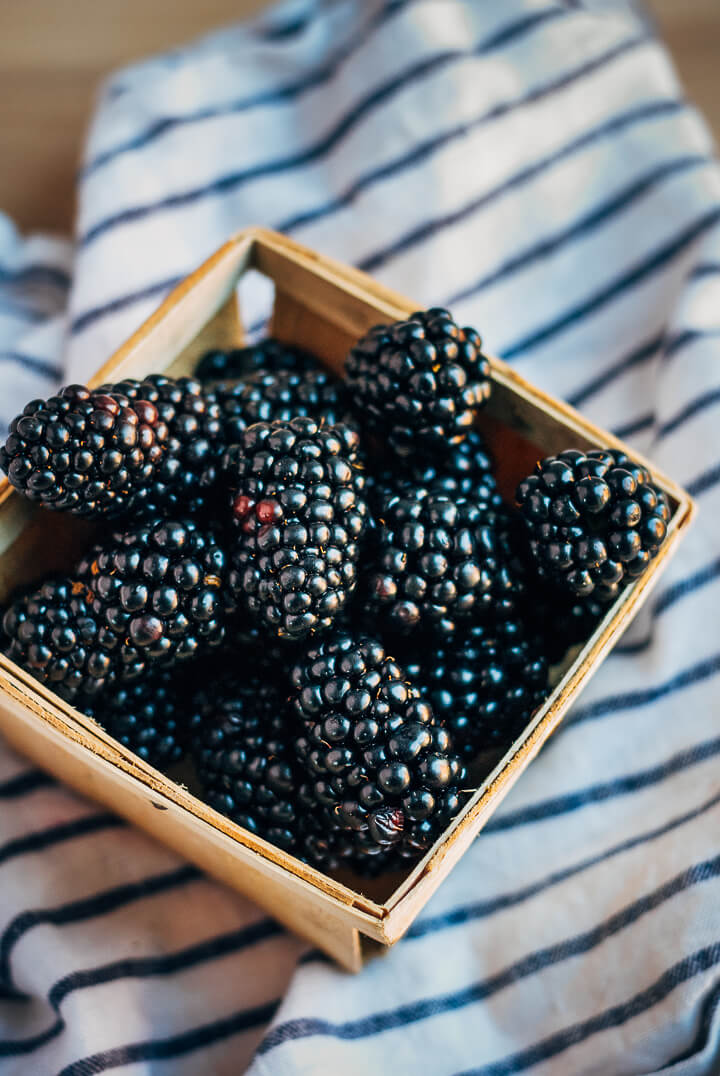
x: 309, y: 587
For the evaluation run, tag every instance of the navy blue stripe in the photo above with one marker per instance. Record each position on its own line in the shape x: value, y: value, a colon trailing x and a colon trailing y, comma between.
x: 704, y: 481
x: 583, y: 224
x: 32, y: 362
x: 65, y: 831
x: 41, y: 274
x: 635, y: 425
x: 705, y: 269
x: 175, y: 1046
x: 24, y: 783
x: 708, y: 1010
x: 142, y: 968
x: 484, y: 908
x: 530, y: 965
x: 600, y: 793
x: 700, y: 961
x: 277, y: 96
x: 688, y: 336
x: 660, y: 258
x: 633, y: 358
x: 425, y: 149
x: 694, y: 407
x: 94, y: 313
x: 87, y: 908
x: 418, y: 154
x: 379, y: 96
x: 668, y: 598
x: 704, y: 670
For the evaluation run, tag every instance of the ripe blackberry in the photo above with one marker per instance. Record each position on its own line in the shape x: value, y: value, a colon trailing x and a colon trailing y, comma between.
x: 484, y: 686
x: 381, y: 768
x: 52, y: 632
x: 281, y: 395
x: 267, y: 356
x: 299, y: 515
x: 184, y: 480
x: 147, y: 716
x: 463, y: 470
x: 438, y: 560
x: 92, y: 453
x: 161, y: 589
x: 594, y: 520
x: 242, y: 743
x: 418, y: 384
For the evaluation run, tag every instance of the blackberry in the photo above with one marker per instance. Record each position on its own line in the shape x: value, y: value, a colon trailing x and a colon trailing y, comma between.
x: 418, y: 384
x: 594, y: 520
x: 382, y: 771
x: 284, y: 394
x: 464, y: 470
x: 161, y: 590
x: 147, y: 716
x: 438, y: 560
x: 92, y: 453
x: 242, y: 745
x: 268, y: 356
x: 299, y: 515
x: 484, y: 686
x: 51, y: 631
x: 185, y: 478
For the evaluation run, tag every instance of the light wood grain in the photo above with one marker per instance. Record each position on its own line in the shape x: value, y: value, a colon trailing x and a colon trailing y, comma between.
x: 53, y: 54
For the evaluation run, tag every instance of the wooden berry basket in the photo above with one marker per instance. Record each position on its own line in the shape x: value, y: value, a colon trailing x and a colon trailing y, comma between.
x: 325, y: 307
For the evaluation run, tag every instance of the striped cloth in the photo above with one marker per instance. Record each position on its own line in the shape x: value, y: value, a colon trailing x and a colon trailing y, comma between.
x: 535, y: 166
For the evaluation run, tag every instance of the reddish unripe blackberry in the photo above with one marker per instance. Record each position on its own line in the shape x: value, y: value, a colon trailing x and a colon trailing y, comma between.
x: 418, y: 384
x: 89, y: 452
x: 381, y: 769
x: 594, y: 520
x: 438, y: 560
x: 299, y: 515
x: 267, y: 356
x: 161, y: 589
x: 184, y: 480
x: 483, y: 685
x: 52, y: 632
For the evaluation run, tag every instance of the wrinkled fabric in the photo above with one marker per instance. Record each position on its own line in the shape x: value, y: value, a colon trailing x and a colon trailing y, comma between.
x: 535, y: 167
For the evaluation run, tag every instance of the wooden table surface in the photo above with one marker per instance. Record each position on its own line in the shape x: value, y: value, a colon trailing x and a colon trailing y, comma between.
x: 53, y: 54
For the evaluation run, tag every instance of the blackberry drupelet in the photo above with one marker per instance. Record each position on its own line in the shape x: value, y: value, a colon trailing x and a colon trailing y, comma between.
x: 281, y: 395
x: 267, y: 356
x: 51, y: 631
x: 299, y: 514
x: 162, y: 590
x: 418, y: 384
x: 185, y: 478
x: 438, y: 560
x: 594, y: 520
x: 381, y: 768
x: 92, y: 453
x: 463, y: 470
x: 148, y: 716
x: 484, y: 686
